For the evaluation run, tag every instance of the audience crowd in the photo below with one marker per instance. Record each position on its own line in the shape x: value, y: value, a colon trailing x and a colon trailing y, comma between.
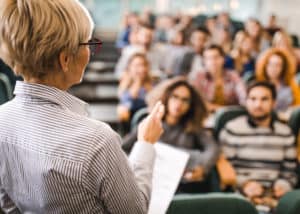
x: 199, y: 65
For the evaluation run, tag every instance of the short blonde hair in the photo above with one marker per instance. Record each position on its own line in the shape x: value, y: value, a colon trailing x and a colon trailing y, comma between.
x: 34, y: 32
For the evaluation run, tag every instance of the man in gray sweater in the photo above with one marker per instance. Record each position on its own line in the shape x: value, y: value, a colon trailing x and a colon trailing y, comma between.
x: 261, y: 148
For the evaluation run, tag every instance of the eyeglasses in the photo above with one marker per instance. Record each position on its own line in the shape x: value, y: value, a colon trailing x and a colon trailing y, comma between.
x: 184, y: 100
x: 94, y: 45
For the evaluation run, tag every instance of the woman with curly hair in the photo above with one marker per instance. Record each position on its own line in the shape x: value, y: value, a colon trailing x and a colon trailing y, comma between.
x: 182, y: 123
x: 277, y: 66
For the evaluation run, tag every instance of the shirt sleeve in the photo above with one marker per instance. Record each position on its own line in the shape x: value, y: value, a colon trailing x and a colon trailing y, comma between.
x: 122, y: 186
x: 206, y: 158
x: 289, y: 164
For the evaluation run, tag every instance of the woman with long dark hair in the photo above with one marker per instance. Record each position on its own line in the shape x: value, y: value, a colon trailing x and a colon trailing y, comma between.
x: 182, y: 123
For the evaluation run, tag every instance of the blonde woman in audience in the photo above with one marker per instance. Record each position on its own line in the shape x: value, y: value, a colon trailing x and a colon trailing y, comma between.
x: 243, y: 46
x: 283, y: 40
x: 183, y: 128
x: 258, y: 35
x: 134, y: 85
x: 276, y: 65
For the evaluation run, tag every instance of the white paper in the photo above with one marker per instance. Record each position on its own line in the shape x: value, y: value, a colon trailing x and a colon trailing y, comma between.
x: 168, y: 169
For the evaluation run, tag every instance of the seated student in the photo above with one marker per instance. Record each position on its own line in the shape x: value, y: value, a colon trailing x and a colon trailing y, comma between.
x: 175, y: 50
x: 133, y: 87
x: 243, y: 47
x: 182, y: 123
x: 219, y: 86
x: 261, y: 149
x: 142, y: 44
x: 193, y: 60
x: 276, y: 65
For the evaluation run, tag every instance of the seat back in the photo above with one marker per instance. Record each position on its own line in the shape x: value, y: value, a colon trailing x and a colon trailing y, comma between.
x: 5, y: 89
x: 138, y: 116
x: 224, y: 115
x: 294, y: 121
x: 289, y: 203
x: 212, y: 203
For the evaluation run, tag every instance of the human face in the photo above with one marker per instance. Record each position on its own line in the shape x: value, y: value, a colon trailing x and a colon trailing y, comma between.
x: 274, y: 67
x: 253, y: 28
x: 179, y: 102
x: 247, y: 45
x: 138, y: 68
x: 213, y: 60
x: 259, y: 103
x: 144, y: 36
x: 198, y: 40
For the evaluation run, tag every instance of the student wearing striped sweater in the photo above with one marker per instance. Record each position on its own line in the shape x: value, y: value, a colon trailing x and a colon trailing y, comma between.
x: 261, y: 149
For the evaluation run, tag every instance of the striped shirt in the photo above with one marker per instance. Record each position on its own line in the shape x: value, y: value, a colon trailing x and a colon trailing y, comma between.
x: 54, y: 159
x: 259, y: 153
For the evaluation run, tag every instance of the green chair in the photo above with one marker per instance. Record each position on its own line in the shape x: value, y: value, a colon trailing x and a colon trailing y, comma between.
x: 224, y: 115
x: 138, y: 116
x: 212, y: 203
x: 294, y: 121
x: 5, y: 89
x: 289, y: 203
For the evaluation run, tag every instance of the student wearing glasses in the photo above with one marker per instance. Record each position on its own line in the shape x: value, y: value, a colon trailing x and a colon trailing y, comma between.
x: 182, y: 123
x: 54, y: 159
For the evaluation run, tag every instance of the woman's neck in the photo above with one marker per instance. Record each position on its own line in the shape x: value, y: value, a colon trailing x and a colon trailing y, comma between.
x: 276, y: 82
x: 56, y: 81
x: 171, y: 120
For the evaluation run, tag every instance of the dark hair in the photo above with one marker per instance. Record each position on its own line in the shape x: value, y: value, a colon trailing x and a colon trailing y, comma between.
x: 202, y: 30
x: 146, y: 25
x: 264, y: 84
x: 193, y: 119
x: 215, y: 47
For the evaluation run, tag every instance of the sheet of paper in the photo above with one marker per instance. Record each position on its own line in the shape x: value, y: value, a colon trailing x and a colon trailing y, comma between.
x: 168, y: 169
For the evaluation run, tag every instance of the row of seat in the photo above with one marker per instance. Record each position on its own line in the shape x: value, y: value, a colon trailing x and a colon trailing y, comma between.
x: 228, y: 203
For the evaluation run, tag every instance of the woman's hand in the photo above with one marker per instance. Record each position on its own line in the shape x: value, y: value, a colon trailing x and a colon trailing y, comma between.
x: 150, y: 129
x: 123, y: 113
x: 253, y: 189
x: 281, y: 187
x: 197, y: 174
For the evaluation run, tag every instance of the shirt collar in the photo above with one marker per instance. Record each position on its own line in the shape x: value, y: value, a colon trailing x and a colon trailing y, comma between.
x: 252, y: 123
x: 52, y: 94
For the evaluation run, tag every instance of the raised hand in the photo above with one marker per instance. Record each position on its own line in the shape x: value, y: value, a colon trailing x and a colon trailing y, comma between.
x: 150, y: 129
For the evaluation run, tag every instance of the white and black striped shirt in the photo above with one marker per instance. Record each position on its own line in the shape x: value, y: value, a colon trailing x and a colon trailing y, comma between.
x: 54, y: 159
x: 259, y: 153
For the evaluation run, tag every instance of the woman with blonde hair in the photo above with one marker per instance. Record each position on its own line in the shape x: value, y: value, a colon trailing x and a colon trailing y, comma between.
x: 276, y: 65
x: 54, y: 159
x: 134, y: 85
x: 243, y: 48
x: 283, y: 40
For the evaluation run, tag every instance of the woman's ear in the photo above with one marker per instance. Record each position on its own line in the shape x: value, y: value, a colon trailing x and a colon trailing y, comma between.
x: 64, y: 61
